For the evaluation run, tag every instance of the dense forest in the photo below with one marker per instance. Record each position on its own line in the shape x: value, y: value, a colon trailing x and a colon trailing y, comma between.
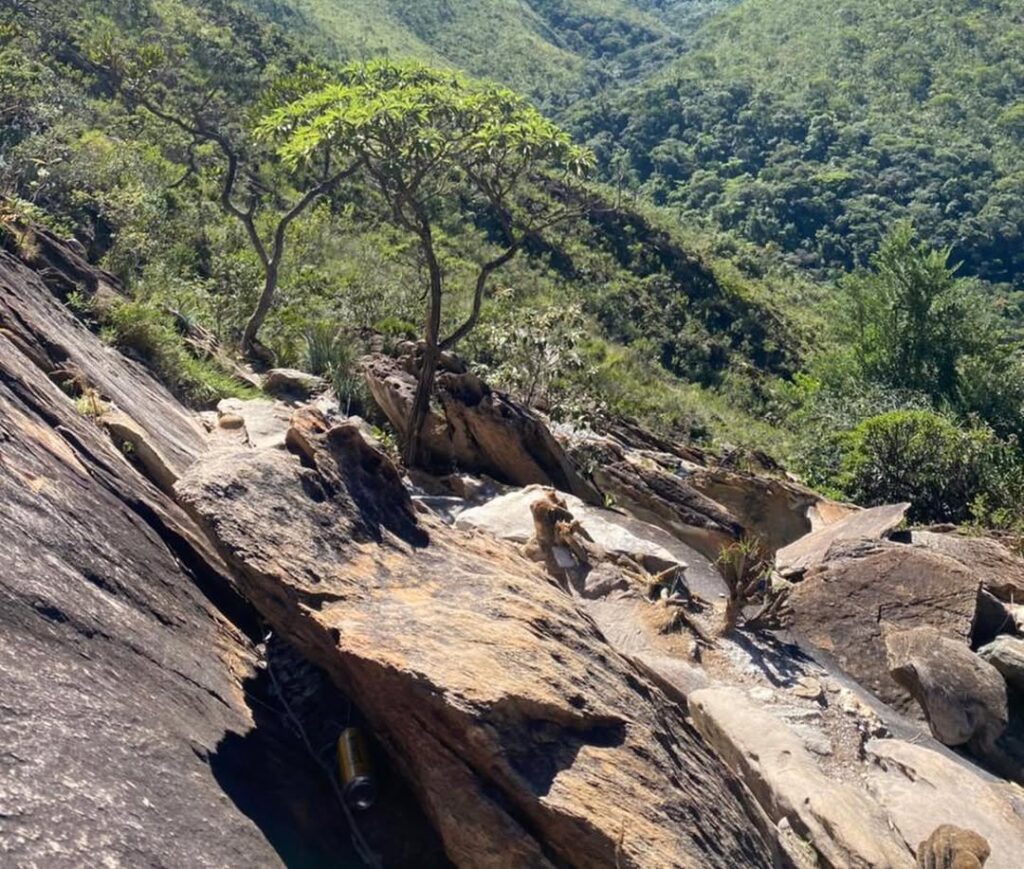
x: 801, y: 231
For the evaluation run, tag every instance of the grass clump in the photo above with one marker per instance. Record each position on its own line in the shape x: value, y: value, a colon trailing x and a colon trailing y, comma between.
x: 147, y: 332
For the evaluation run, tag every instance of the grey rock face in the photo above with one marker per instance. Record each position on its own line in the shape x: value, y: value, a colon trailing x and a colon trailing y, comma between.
x: 963, y: 697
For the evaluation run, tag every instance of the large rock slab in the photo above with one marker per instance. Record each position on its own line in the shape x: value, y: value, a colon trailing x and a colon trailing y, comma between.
x: 475, y: 428
x: 923, y: 790
x: 842, y: 606
x: 776, y: 511
x: 127, y: 662
x: 797, y: 558
x: 651, y: 492
x: 508, y: 517
x: 963, y: 696
x: 44, y: 331
x: 842, y: 825
x: 528, y: 740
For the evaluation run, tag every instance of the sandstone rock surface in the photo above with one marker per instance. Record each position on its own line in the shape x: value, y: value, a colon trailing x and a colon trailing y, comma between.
x: 129, y: 696
x: 922, y: 789
x: 963, y: 696
x: 528, y: 740
x: 1006, y: 654
x: 475, y: 428
x: 841, y: 606
x: 813, y: 549
x: 292, y: 383
x: 838, y: 821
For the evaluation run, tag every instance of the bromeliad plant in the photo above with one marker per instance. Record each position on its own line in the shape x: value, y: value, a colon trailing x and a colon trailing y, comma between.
x: 425, y: 138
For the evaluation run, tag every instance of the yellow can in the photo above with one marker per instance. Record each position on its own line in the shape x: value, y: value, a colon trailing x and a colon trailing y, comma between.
x: 357, y: 784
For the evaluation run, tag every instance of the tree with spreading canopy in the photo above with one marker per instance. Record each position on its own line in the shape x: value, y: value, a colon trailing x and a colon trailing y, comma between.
x: 254, y: 189
x: 425, y: 138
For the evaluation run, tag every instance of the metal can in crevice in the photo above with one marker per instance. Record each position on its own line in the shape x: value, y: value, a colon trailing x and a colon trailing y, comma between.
x: 357, y: 784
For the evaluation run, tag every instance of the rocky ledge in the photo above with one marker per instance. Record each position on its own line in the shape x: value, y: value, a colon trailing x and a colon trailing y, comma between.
x: 580, y: 670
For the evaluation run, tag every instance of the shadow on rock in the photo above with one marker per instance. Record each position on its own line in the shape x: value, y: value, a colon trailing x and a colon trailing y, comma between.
x: 281, y: 777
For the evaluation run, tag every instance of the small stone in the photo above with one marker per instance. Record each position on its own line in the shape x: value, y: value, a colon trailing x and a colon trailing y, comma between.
x: 231, y: 421
x: 951, y: 847
x: 809, y: 688
x: 762, y: 695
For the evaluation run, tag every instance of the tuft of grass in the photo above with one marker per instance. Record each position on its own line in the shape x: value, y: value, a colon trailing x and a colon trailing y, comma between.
x: 149, y: 333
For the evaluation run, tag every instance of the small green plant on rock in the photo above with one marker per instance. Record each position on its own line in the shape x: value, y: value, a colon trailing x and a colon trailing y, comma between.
x: 748, y: 571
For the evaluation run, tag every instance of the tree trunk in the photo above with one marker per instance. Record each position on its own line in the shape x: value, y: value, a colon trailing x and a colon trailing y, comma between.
x: 255, y: 323
x: 421, y: 407
x: 412, y: 454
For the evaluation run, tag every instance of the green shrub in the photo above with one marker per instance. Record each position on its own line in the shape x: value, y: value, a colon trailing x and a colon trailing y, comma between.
x: 147, y: 332
x: 926, y: 459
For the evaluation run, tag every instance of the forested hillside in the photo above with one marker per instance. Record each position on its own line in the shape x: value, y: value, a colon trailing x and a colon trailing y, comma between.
x: 557, y: 51
x: 808, y: 126
x: 804, y: 234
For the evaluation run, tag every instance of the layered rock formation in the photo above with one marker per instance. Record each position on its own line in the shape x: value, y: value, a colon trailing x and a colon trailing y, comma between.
x: 146, y: 720
x: 528, y: 740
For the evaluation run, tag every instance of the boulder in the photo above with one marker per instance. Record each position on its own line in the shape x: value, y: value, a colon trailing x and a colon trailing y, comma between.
x: 841, y: 606
x: 776, y: 511
x: 651, y: 492
x: 842, y: 825
x: 952, y: 847
x: 528, y: 740
x: 508, y: 517
x: 475, y: 428
x: 995, y: 566
x: 265, y: 422
x: 292, y: 383
x: 922, y: 790
x: 963, y: 697
x: 797, y: 558
x: 1006, y: 654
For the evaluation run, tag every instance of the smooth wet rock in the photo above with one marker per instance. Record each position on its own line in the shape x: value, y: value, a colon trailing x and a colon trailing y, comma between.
x: 840, y: 607
x: 812, y: 550
x: 963, y: 696
x: 527, y: 738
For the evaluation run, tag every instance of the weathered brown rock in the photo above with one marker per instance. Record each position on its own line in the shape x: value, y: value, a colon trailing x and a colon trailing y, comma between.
x: 292, y: 383
x: 842, y: 605
x: 654, y: 494
x: 776, y: 511
x: 995, y: 566
x: 963, y: 697
x: 922, y: 790
x: 476, y: 428
x: 528, y: 740
x: 1006, y: 654
x: 812, y: 550
x: 135, y: 727
x: 952, y: 847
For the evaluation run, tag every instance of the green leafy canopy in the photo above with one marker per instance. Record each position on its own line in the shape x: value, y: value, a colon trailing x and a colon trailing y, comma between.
x: 407, y: 116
